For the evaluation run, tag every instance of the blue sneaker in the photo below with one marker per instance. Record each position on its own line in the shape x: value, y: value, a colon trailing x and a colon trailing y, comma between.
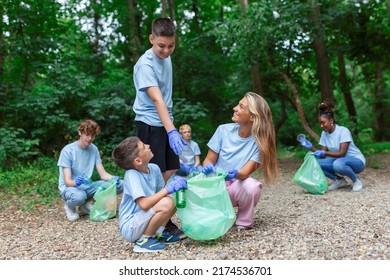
x: 149, y: 244
x: 167, y: 238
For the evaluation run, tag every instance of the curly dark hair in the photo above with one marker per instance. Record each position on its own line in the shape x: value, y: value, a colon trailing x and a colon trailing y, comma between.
x: 325, y: 108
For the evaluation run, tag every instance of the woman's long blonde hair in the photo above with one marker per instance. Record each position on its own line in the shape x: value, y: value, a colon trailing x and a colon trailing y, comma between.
x: 264, y: 132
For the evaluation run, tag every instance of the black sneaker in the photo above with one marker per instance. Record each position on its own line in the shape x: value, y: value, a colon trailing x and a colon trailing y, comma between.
x: 167, y: 238
x: 174, y: 230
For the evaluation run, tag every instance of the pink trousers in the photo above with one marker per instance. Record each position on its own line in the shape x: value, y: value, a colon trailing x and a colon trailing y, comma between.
x: 245, y: 194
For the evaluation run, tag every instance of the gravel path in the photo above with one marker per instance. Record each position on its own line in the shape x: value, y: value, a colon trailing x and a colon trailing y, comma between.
x: 291, y: 224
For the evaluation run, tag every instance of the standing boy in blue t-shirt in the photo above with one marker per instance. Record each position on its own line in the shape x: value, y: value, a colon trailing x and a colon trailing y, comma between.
x: 153, y: 103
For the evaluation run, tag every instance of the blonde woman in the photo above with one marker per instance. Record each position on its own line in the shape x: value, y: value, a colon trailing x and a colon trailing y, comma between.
x: 240, y: 148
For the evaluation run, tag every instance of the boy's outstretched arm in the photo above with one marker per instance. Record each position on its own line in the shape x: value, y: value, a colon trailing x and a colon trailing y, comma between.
x: 176, y: 141
x: 162, y: 110
x: 104, y: 175
x: 147, y: 202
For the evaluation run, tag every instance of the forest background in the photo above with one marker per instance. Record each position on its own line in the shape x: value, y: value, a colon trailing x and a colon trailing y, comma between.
x: 65, y: 61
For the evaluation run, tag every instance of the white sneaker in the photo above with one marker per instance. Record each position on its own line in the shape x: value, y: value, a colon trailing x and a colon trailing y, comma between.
x: 72, y: 215
x: 357, y: 186
x: 338, y: 183
x: 86, y: 208
x: 242, y: 227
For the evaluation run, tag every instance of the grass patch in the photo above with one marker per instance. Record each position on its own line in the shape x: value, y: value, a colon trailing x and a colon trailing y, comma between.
x: 29, y: 185
x: 376, y: 148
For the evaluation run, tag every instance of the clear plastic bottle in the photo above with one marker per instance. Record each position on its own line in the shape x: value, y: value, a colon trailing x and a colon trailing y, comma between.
x: 181, y: 199
x: 87, y: 180
x: 301, y: 137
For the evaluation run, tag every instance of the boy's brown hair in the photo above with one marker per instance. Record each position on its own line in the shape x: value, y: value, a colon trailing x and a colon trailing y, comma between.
x: 89, y: 127
x: 163, y: 27
x: 126, y: 152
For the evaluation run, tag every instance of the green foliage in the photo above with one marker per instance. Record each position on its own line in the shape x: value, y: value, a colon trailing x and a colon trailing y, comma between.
x: 36, y: 183
x: 56, y: 72
x: 376, y: 148
x: 193, y: 114
x: 30, y: 184
x: 14, y: 147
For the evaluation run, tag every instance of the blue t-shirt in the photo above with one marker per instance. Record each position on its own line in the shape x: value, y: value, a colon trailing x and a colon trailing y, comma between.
x: 152, y: 71
x: 340, y: 135
x: 189, y: 153
x: 138, y: 184
x: 234, y: 151
x: 80, y: 161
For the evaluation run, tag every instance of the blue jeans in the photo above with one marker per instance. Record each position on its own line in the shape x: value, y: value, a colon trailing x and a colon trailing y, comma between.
x: 345, y: 166
x: 77, y: 196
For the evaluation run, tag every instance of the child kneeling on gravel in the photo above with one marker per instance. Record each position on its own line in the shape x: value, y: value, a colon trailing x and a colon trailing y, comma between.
x: 76, y: 164
x: 146, y: 204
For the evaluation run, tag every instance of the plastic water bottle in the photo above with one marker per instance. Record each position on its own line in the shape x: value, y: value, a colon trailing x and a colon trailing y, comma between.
x: 301, y: 137
x: 192, y: 174
x: 181, y: 199
x: 87, y: 180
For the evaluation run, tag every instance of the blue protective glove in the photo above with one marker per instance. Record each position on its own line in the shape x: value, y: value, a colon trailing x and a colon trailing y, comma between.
x: 231, y: 174
x: 306, y: 143
x: 208, y: 168
x: 178, y: 183
x: 319, y: 153
x: 186, y: 168
x: 176, y: 141
x: 79, y: 180
x: 197, y: 168
x: 118, y: 180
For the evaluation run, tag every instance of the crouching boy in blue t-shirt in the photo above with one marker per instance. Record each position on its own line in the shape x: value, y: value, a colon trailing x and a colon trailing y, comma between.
x: 146, y: 204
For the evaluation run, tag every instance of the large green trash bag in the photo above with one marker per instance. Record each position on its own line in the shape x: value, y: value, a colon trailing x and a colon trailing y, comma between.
x: 104, y: 207
x: 310, y: 176
x: 208, y: 213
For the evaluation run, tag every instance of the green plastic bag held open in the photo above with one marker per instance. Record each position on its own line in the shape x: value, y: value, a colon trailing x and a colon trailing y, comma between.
x: 208, y: 213
x: 310, y: 176
x: 105, y: 201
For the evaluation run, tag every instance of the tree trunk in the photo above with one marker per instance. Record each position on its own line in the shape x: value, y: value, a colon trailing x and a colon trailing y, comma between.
x: 322, y: 59
x: 298, y: 103
x: 283, y: 116
x: 2, y: 59
x: 2, y: 46
x: 196, y: 21
x: 244, y: 5
x: 171, y: 9
x: 382, y: 131
x: 172, y: 15
x: 255, y: 67
x: 99, y: 57
x: 344, y: 85
x: 133, y: 32
x: 256, y: 79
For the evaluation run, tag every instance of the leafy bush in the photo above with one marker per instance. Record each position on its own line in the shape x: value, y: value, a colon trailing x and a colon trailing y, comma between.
x: 13, y: 147
x: 31, y: 184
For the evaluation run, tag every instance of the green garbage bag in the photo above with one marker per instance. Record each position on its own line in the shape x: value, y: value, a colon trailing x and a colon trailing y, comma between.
x: 208, y: 213
x: 105, y: 201
x: 310, y: 176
